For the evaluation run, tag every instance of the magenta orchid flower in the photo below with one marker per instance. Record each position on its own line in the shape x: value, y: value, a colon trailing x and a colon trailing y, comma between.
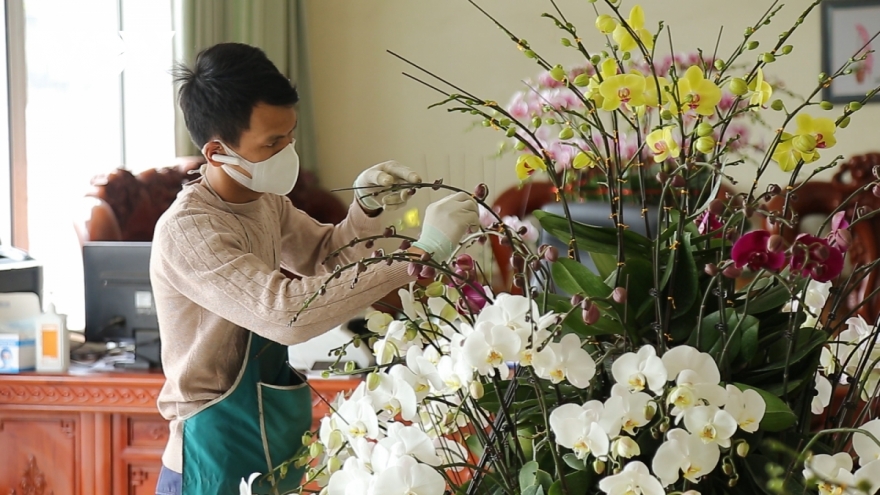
x: 752, y: 250
x: 840, y: 236
x: 709, y: 222
x: 815, y: 257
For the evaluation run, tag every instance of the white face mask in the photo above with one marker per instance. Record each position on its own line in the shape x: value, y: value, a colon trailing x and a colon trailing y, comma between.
x: 276, y: 175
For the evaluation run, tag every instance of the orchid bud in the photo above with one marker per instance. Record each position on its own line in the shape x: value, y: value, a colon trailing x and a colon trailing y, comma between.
x: 465, y: 262
x: 436, y: 185
x: 726, y: 468
x: 704, y: 129
x: 732, y: 272
x: 705, y: 144
x: 619, y: 295
x: 413, y: 270
x: 373, y: 381
x: 662, y: 177
x: 333, y: 465
x: 826, y: 105
x: 476, y: 389
x: 732, y: 481
x: 768, y: 58
x: 666, y: 114
x: 576, y: 299
x: 582, y: 80
x: 518, y: 263
x: 481, y: 191
x: 777, y: 105
x: 551, y: 254
x: 316, y: 449
x: 335, y: 441
x: 844, y: 122
x: 591, y: 315
x: 711, y: 269
x: 411, y: 332
x: 775, y: 243
x: 678, y: 181
x: 557, y: 73
x: 876, y: 191
x: 388, y: 232
x: 598, y: 466
x: 742, y: 449
x: 566, y: 133
x: 650, y: 411
x: 349, y: 366
x: 738, y: 86
x: 606, y: 24
x: 435, y: 289
x: 405, y: 244
x: 306, y: 438
x: 427, y: 272
x: 854, y: 106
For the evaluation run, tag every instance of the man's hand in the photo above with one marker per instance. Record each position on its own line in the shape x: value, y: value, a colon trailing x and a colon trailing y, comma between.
x: 379, y: 177
x: 446, y: 223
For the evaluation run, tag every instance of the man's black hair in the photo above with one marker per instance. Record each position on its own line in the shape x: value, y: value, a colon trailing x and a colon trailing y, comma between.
x: 219, y: 93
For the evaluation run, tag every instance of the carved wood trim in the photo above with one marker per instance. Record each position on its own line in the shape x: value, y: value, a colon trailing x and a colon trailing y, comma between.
x: 137, y: 477
x: 100, y: 395
x: 33, y: 482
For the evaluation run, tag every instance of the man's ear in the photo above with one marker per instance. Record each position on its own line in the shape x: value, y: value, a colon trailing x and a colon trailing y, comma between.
x: 210, y: 149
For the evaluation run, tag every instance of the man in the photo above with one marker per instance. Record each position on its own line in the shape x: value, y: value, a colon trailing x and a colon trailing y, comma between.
x: 226, y: 312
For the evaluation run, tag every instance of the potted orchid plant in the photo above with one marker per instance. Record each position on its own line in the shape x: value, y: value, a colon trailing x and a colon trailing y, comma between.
x: 702, y: 357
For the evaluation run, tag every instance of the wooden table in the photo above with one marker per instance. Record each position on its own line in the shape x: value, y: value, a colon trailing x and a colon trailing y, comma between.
x: 91, y: 434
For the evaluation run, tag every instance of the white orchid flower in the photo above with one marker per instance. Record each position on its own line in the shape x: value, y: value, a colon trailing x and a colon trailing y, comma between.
x: 833, y: 474
x: 395, y: 343
x: 246, y: 487
x: 356, y: 417
x: 625, y: 447
x: 684, y: 453
x: 530, y: 342
x: 353, y: 479
x: 409, y: 477
x: 440, y: 310
x: 330, y: 434
x: 565, y: 360
x: 817, y: 295
x: 867, y: 449
x: 425, y: 374
x: 630, y: 409
x: 823, y: 395
x: 455, y: 374
x: 438, y: 418
x: 711, y: 424
x: 746, y: 406
x: 640, y: 370
x: 635, y: 479
x: 490, y: 347
x: 575, y: 427
x: 451, y: 452
x: 394, y: 395
x: 401, y: 440
x: 827, y: 361
x: 413, y: 309
x: 512, y: 311
x: 696, y: 376
x: 377, y: 322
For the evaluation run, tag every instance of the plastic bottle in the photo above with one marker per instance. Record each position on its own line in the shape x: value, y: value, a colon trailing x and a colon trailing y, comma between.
x: 53, y: 342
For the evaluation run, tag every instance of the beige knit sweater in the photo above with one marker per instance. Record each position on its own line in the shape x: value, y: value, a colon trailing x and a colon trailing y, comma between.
x: 215, y: 275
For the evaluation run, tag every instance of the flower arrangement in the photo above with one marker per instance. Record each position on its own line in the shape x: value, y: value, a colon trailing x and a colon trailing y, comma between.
x: 702, y: 358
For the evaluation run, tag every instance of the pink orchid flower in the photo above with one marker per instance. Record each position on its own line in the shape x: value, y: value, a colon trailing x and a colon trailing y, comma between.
x: 815, y: 257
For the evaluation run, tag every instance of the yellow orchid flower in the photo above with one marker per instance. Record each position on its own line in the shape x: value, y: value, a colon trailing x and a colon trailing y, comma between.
x: 526, y: 165
x: 652, y: 98
x: 662, y: 144
x: 628, y: 89
x: 607, y: 69
x: 785, y: 154
x: 761, y: 91
x: 636, y: 22
x: 820, y: 128
x: 584, y: 159
x: 697, y: 93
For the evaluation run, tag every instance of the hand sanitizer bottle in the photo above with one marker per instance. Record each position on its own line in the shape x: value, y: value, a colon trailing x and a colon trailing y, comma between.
x: 53, y: 342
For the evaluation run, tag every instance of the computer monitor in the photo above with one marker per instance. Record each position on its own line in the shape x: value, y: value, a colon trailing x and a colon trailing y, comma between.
x: 19, y: 272
x: 118, y: 294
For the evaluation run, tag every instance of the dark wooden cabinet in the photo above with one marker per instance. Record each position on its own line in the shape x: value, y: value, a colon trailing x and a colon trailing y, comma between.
x: 94, y: 434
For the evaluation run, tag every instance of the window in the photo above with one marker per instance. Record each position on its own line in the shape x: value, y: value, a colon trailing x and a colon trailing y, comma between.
x: 99, y: 96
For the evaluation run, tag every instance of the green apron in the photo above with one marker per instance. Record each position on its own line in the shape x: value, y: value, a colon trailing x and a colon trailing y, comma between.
x: 253, y: 428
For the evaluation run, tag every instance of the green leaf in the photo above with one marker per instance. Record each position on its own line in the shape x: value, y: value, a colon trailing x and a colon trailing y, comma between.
x: 768, y: 300
x: 533, y: 490
x: 527, y: 474
x: 605, y: 264
x: 594, y: 239
x: 686, y: 282
x: 710, y: 338
x: 544, y: 479
x: 573, y: 277
x: 779, y: 390
x: 574, y: 322
x: 573, y: 462
x: 810, y: 339
x: 474, y: 445
x: 778, y: 416
x: 577, y: 482
x: 749, y: 346
x: 637, y: 276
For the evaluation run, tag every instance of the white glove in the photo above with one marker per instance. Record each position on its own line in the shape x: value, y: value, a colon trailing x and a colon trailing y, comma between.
x: 446, y: 222
x: 383, y: 176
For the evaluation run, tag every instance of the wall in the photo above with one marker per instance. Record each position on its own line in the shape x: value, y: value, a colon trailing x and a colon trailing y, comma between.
x: 367, y: 111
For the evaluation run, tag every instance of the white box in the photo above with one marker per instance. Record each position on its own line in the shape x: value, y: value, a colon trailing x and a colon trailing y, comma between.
x: 18, y: 351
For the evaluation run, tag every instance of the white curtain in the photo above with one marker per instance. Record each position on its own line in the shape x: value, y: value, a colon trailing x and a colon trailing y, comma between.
x: 275, y: 26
